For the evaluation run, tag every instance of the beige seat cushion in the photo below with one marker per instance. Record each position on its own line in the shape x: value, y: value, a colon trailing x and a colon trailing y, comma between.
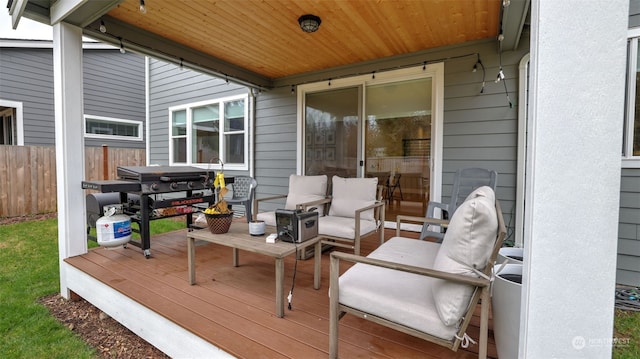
x: 343, y: 227
x: 304, y: 189
x: 401, y: 297
x: 467, y: 244
x: 351, y: 194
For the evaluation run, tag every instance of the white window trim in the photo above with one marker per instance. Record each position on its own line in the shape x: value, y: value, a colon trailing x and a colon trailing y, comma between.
x: 112, y: 137
x: 628, y: 160
x: 19, y: 119
x: 187, y: 108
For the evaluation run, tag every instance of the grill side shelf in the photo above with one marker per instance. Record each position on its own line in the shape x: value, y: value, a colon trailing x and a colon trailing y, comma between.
x: 112, y: 186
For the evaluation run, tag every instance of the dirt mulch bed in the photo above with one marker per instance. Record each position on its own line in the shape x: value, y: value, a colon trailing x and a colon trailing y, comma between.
x: 109, y: 338
x: 33, y: 217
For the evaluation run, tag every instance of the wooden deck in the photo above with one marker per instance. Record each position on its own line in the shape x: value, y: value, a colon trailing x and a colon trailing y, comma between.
x: 233, y: 307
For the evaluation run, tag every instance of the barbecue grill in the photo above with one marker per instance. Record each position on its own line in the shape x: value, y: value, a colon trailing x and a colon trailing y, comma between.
x: 144, y: 190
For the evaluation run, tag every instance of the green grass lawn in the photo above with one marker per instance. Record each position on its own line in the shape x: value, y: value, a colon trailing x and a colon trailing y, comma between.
x: 29, y: 270
x: 627, y: 335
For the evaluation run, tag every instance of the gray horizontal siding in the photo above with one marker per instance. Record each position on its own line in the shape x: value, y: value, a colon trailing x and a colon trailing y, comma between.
x: 634, y: 13
x: 26, y: 76
x: 113, y: 87
x: 628, y: 263
x: 171, y: 86
x: 480, y: 130
x: 275, y: 148
x: 629, y: 228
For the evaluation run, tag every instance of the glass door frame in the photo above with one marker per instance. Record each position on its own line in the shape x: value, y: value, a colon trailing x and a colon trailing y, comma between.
x: 434, y: 71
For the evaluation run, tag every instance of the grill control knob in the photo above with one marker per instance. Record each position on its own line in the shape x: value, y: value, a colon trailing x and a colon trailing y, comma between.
x: 154, y: 186
x: 173, y: 185
x: 190, y: 184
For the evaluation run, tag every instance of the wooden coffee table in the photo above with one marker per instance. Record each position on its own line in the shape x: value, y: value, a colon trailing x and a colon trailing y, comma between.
x: 238, y: 237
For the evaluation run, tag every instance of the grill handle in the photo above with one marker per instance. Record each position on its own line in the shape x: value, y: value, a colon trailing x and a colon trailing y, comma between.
x: 180, y: 178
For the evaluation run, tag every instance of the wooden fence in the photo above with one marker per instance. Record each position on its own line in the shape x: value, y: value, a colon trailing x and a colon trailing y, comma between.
x: 28, y: 175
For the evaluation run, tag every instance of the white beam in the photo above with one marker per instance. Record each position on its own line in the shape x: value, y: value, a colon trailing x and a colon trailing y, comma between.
x: 68, y: 94
x: 578, y: 55
x: 60, y: 9
x: 16, y: 11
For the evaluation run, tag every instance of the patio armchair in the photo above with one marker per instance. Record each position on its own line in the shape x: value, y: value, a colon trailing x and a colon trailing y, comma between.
x: 425, y: 289
x: 465, y: 181
x: 244, y: 189
x: 304, y: 191
x: 356, y: 210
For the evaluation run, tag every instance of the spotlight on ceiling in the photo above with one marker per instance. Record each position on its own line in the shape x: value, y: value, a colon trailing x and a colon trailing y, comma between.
x: 309, y: 23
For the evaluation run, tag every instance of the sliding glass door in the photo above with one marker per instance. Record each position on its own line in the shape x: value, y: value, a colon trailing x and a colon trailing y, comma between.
x: 398, y: 142
x: 331, y: 132
x: 367, y: 127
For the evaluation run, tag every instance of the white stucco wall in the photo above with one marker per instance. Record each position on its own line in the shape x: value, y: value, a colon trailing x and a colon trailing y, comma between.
x: 578, y: 51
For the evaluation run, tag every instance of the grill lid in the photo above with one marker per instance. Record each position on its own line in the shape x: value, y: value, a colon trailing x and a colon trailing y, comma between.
x: 145, y: 174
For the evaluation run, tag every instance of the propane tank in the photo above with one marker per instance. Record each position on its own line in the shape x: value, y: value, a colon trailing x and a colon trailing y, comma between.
x: 113, y: 229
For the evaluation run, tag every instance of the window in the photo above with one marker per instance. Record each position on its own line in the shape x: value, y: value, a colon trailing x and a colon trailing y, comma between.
x: 8, y: 128
x: 631, y: 141
x: 11, y: 126
x: 205, y: 131
x: 112, y: 128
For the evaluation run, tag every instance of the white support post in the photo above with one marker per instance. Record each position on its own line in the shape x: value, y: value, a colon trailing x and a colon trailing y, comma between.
x: 577, y: 86
x: 67, y: 69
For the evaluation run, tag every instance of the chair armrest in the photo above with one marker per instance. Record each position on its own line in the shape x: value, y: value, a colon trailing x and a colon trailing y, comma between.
x: 431, y: 206
x: 429, y: 272
x: 434, y: 221
x: 256, y: 202
x: 304, y: 206
x: 271, y: 198
x: 375, y: 205
x: 359, y: 211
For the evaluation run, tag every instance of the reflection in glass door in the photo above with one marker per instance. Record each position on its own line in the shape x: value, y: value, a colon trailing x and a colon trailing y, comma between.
x: 398, y: 143
x: 380, y: 128
x: 331, y: 132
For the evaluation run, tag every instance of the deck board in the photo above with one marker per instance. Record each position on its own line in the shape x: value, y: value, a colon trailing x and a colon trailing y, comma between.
x: 234, y: 307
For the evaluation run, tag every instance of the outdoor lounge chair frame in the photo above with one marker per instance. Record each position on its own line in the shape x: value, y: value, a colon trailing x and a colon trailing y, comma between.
x: 481, y: 293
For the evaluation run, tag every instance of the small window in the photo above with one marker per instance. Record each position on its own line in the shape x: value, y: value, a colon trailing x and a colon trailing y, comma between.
x: 210, y: 130
x: 631, y: 139
x: 112, y: 128
x: 8, y: 128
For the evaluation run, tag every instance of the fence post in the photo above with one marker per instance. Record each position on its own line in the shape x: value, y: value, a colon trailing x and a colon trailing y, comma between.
x: 105, y: 162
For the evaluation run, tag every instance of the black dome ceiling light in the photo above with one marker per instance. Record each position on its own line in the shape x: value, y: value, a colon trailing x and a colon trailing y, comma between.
x: 309, y: 23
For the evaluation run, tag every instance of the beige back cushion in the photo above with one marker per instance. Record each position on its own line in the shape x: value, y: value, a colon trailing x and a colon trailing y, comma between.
x: 467, y: 244
x: 350, y: 194
x: 304, y: 189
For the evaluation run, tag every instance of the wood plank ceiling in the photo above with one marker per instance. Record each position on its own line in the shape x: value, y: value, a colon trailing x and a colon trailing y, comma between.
x: 263, y: 36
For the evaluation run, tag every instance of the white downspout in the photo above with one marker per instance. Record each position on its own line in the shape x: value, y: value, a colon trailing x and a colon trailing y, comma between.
x: 146, y: 111
x: 252, y: 132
